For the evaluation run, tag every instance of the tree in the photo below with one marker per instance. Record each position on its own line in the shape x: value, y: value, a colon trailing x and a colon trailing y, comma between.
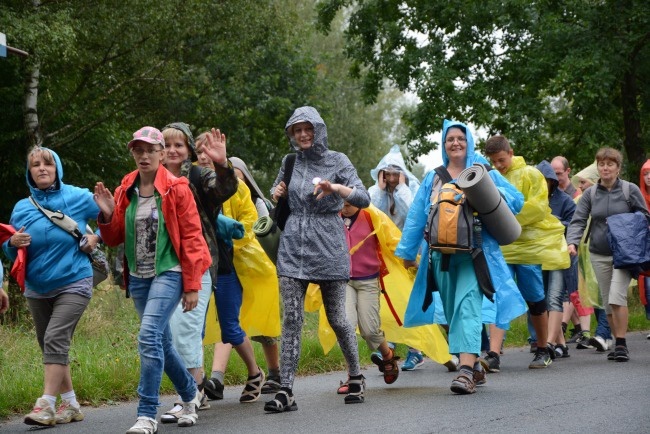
x: 555, y: 77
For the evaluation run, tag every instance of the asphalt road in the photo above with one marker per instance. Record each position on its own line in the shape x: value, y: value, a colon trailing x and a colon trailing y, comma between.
x: 584, y: 393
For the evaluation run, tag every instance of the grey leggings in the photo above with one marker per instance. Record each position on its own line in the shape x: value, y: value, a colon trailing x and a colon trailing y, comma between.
x: 293, y: 298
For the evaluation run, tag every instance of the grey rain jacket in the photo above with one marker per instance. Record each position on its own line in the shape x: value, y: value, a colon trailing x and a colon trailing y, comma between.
x: 313, y: 245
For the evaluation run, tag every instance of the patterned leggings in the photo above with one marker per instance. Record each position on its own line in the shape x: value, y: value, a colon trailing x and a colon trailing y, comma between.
x: 293, y: 298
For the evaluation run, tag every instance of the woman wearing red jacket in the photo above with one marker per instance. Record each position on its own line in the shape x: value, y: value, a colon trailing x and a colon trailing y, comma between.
x: 154, y: 214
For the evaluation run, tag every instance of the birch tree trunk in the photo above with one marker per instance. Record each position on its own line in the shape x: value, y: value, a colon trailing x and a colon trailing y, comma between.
x: 30, y: 104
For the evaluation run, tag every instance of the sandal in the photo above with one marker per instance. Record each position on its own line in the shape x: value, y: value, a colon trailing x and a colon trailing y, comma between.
x: 281, y: 403
x: 463, y: 385
x: 390, y: 368
x: 253, y: 388
x: 356, y: 390
x: 272, y: 385
x: 377, y: 360
x: 343, y: 388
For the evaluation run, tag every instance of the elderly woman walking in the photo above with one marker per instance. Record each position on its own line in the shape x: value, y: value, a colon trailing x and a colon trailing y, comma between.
x: 313, y: 247
x: 59, y: 276
x: 154, y: 214
x: 609, y: 198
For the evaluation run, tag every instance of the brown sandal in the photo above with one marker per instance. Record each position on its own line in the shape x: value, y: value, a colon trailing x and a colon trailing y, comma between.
x: 463, y: 385
x: 390, y: 368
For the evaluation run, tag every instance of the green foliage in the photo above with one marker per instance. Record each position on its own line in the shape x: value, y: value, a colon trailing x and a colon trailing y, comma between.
x: 104, y: 69
x: 555, y: 77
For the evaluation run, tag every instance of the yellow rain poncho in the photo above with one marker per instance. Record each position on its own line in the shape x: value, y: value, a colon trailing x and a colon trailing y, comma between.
x: 260, y: 311
x: 542, y: 237
x: 398, y: 283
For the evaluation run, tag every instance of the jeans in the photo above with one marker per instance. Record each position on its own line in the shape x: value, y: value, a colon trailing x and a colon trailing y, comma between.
x: 602, y: 326
x: 155, y: 300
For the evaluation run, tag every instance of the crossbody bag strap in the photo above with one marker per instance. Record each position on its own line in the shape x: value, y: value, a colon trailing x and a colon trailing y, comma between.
x: 59, y: 219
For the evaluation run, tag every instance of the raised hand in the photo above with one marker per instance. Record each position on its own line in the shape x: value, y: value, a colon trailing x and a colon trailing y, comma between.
x: 381, y: 181
x: 215, y: 146
x: 104, y: 200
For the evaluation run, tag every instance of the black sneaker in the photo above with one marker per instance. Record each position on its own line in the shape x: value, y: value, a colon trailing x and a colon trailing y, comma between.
x: 583, y: 342
x: 213, y: 388
x: 542, y: 360
x: 551, y: 350
x: 562, y: 351
x: 575, y: 336
x: 491, y: 362
x: 621, y: 354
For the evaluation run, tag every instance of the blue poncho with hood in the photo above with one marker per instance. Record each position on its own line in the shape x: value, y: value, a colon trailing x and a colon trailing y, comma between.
x: 53, y: 257
x: 509, y: 303
x: 403, y: 195
x: 313, y: 244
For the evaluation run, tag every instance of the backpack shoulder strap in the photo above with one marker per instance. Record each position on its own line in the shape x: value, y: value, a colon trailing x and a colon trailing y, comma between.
x: 59, y: 219
x: 443, y: 174
x: 626, y: 193
x: 288, y: 168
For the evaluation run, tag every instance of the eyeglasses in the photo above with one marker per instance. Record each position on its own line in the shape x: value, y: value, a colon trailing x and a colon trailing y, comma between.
x: 451, y: 140
x: 140, y: 151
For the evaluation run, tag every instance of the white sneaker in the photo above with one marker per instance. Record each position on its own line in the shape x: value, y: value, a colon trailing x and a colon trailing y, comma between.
x: 144, y: 425
x: 188, y: 416
x: 42, y: 414
x: 67, y: 413
x: 599, y: 343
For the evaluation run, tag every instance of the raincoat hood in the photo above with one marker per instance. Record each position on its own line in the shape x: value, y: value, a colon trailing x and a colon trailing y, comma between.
x: 59, y: 174
x: 395, y: 160
x: 238, y: 163
x: 589, y: 173
x: 308, y: 114
x: 185, y: 129
x: 644, y: 169
x: 472, y: 156
x: 548, y: 172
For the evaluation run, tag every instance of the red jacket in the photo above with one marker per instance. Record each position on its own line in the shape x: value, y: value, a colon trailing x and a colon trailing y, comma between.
x: 181, y: 220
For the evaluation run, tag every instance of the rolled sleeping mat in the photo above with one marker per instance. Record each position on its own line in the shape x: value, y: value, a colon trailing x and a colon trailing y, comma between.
x: 485, y: 198
x: 268, y: 234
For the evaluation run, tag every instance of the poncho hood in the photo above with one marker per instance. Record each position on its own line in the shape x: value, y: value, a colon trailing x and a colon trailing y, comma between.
x: 311, y: 115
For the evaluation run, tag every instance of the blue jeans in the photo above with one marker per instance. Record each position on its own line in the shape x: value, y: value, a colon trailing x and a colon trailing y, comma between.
x: 155, y: 300
x: 602, y: 326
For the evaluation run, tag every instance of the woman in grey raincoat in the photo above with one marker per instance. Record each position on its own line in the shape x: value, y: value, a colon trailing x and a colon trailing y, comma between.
x: 313, y: 247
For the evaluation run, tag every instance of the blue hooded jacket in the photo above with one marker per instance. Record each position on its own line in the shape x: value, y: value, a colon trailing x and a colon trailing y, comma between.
x: 509, y: 303
x: 53, y: 257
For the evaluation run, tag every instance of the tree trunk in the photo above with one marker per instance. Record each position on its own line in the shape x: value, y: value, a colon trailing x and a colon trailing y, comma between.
x: 30, y: 104
x: 633, y: 142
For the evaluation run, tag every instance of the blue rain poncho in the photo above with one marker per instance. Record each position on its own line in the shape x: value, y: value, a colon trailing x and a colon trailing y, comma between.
x: 509, y: 303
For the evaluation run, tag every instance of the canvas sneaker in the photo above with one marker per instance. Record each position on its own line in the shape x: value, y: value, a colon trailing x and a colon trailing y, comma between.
x: 413, y: 360
x: 67, y: 413
x: 144, y: 425
x: 42, y: 414
x: 541, y: 360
